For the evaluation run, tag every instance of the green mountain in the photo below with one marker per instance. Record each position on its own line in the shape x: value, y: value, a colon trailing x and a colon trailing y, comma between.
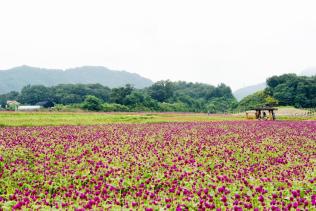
x: 16, y: 78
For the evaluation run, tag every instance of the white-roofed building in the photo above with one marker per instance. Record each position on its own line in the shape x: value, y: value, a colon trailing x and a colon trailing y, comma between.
x: 29, y: 108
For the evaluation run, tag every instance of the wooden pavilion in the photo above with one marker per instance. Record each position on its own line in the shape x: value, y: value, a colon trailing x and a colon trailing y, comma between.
x: 261, y: 113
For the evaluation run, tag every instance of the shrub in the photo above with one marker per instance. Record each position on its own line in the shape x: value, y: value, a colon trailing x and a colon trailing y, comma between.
x: 92, y: 103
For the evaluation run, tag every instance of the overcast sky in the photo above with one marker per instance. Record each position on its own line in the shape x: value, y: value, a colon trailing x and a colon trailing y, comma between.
x: 236, y: 42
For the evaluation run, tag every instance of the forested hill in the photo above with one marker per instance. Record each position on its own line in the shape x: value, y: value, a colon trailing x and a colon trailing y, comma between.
x: 16, y: 78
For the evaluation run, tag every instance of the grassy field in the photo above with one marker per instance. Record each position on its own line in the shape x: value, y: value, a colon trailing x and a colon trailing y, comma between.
x: 85, y: 118
x: 59, y: 118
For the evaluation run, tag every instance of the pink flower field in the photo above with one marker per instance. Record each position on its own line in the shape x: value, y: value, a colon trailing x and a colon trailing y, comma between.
x: 233, y: 165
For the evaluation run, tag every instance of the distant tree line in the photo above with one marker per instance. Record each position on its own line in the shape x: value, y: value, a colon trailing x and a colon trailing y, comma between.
x: 161, y: 96
x: 284, y: 90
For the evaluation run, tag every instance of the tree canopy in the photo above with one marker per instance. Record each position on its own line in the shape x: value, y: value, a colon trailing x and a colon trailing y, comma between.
x: 161, y: 96
x: 290, y: 89
x: 258, y: 99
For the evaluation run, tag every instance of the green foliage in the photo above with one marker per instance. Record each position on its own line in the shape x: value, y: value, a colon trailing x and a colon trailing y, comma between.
x: 161, y: 96
x: 135, y: 98
x: 140, y: 108
x: 67, y: 108
x: 92, y: 103
x: 161, y: 90
x: 221, y: 105
x: 34, y: 94
x: 118, y: 95
x: 11, y: 107
x: 257, y: 99
x: 9, y: 96
x: 109, y: 107
x: 270, y: 101
x: 75, y: 93
x: 191, y: 97
x: 169, y: 107
x: 290, y: 89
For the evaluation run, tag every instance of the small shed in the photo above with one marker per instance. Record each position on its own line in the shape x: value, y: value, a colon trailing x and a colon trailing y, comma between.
x: 29, y: 108
x: 261, y: 113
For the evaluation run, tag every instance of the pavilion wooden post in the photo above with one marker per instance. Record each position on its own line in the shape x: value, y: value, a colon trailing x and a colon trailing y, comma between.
x: 273, y: 115
x: 257, y: 114
x: 270, y: 115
